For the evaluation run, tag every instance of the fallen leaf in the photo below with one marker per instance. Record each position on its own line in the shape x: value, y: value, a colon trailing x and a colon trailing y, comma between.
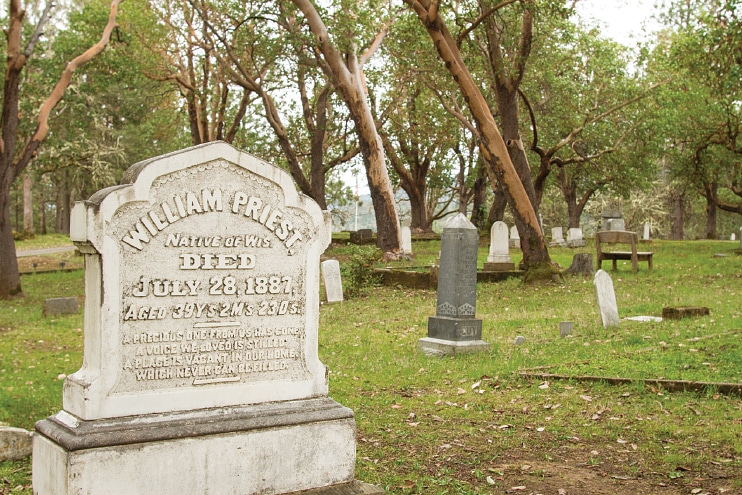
x: 586, y: 398
x: 476, y: 384
x: 517, y: 488
x: 490, y: 481
x: 460, y: 391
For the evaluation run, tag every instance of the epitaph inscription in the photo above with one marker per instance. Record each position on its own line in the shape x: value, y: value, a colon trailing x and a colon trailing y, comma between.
x: 212, y: 282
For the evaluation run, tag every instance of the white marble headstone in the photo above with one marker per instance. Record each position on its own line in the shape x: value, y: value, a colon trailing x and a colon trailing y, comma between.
x: 499, y: 243
x: 574, y: 237
x: 557, y: 236
x: 211, y: 264
x: 646, y: 232
x: 332, y: 281
x: 514, y: 237
x: 606, y: 299
x: 406, y: 237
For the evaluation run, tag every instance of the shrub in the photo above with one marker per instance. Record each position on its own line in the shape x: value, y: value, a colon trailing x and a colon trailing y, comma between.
x: 358, y: 271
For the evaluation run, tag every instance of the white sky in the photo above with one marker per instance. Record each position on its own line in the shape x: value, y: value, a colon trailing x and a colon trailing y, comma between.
x: 626, y: 21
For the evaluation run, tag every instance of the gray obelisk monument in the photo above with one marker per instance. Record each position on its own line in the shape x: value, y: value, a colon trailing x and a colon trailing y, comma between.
x: 454, y: 328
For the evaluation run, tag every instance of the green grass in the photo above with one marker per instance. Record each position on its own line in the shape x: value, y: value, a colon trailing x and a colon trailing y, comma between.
x: 471, y: 424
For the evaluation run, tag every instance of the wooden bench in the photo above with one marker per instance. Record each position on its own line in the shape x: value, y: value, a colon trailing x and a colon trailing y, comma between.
x: 620, y: 237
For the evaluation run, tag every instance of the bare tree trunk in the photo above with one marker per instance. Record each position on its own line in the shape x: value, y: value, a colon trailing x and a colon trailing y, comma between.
x: 62, y: 223
x: 678, y: 216
x: 42, y: 215
x: 479, y: 198
x: 28, y: 224
x: 710, y: 193
x: 497, y: 209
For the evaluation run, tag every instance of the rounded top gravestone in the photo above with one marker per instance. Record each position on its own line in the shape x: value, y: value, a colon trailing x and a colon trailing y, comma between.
x: 202, y: 276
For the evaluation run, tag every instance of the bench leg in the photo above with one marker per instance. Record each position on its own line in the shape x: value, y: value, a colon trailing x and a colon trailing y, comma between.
x: 614, y: 265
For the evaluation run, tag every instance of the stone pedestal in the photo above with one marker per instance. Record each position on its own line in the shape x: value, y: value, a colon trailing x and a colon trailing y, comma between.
x: 276, y: 448
x: 454, y: 329
x: 200, y: 372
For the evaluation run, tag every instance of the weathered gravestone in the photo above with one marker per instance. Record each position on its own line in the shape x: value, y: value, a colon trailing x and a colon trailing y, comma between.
x: 332, y: 281
x: 557, y: 236
x: 498, y: 259
x: 15, y: 443
x: 616, y: 224
x: 608, y: 217
x: 647, y: 230
x: 514, y: 237
x: 362, y: 236
x: 406, y: 238
x: 56, y: 306
x: 606, y: 299
x: 454, y: 329
x: 200, y: 371
x: 574, y: 237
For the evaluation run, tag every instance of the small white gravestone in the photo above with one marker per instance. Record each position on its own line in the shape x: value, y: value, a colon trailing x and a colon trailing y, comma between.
x: 406, y: 235
x: 574, y: 237
x: 733, y: 237
x: 498, y: 259
x: 332, y: 281
x: 606, y: 299
x: 646, y: 232
x: 201, y: 371
x: 514, y: 237
x: 557, y: 236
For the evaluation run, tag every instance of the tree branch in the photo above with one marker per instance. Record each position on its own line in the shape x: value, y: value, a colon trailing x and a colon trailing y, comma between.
x: 42, y: 129
x: 478, y: 20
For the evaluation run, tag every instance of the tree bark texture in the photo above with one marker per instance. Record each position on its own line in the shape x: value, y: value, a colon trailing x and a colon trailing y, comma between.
x: 710, y: 193
x: 28, y: 223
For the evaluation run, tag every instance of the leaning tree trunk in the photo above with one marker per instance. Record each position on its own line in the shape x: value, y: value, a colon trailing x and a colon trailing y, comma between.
x: 500, y: 167
x: 346, y: 71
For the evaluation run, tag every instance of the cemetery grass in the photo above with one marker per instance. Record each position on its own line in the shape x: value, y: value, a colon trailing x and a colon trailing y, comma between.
x: 473, y: 424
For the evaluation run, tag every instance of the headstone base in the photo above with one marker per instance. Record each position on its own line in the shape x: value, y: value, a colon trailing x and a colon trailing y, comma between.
x: 439, y: 347
x: 279, y: 448
x: 457, y: 329
x: 490, y: 266
x: 577, y: 243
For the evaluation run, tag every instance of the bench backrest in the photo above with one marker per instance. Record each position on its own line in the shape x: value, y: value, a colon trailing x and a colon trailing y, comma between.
x: 616, y: 237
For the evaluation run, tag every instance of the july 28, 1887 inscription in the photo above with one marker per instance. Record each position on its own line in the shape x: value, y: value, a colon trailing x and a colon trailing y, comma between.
x: 204, y: 287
